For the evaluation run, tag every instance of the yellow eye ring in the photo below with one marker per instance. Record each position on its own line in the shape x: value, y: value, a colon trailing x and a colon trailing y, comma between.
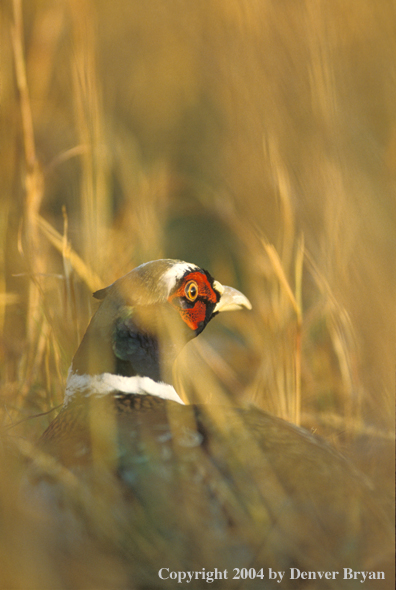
x: 191, y: 290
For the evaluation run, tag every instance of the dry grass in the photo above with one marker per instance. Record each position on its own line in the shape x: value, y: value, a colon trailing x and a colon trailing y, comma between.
x: 257, y: 139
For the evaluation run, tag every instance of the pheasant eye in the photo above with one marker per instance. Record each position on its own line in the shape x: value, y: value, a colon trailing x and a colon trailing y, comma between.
x: 191, y: 290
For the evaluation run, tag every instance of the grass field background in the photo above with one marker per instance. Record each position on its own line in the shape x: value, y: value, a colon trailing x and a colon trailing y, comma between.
x: 256, y: 139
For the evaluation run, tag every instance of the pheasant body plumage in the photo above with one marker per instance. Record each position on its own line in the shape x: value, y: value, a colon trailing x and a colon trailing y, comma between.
x: 188, y: 486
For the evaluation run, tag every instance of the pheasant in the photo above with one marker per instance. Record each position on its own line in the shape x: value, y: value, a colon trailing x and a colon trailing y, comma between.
x: 156, y: 488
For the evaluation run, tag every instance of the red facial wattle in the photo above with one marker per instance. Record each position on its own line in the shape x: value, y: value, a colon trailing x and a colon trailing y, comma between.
x: 194, y: 316
x: 192, y: 299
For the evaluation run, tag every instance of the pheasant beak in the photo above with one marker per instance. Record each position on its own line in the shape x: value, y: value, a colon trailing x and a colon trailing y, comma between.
x: 230, y: 299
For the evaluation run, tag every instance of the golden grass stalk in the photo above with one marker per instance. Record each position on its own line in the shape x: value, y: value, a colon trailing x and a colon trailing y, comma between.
x: 70, y: 257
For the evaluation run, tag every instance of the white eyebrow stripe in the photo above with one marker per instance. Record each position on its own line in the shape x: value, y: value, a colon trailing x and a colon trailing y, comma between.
x: 175, y: 273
